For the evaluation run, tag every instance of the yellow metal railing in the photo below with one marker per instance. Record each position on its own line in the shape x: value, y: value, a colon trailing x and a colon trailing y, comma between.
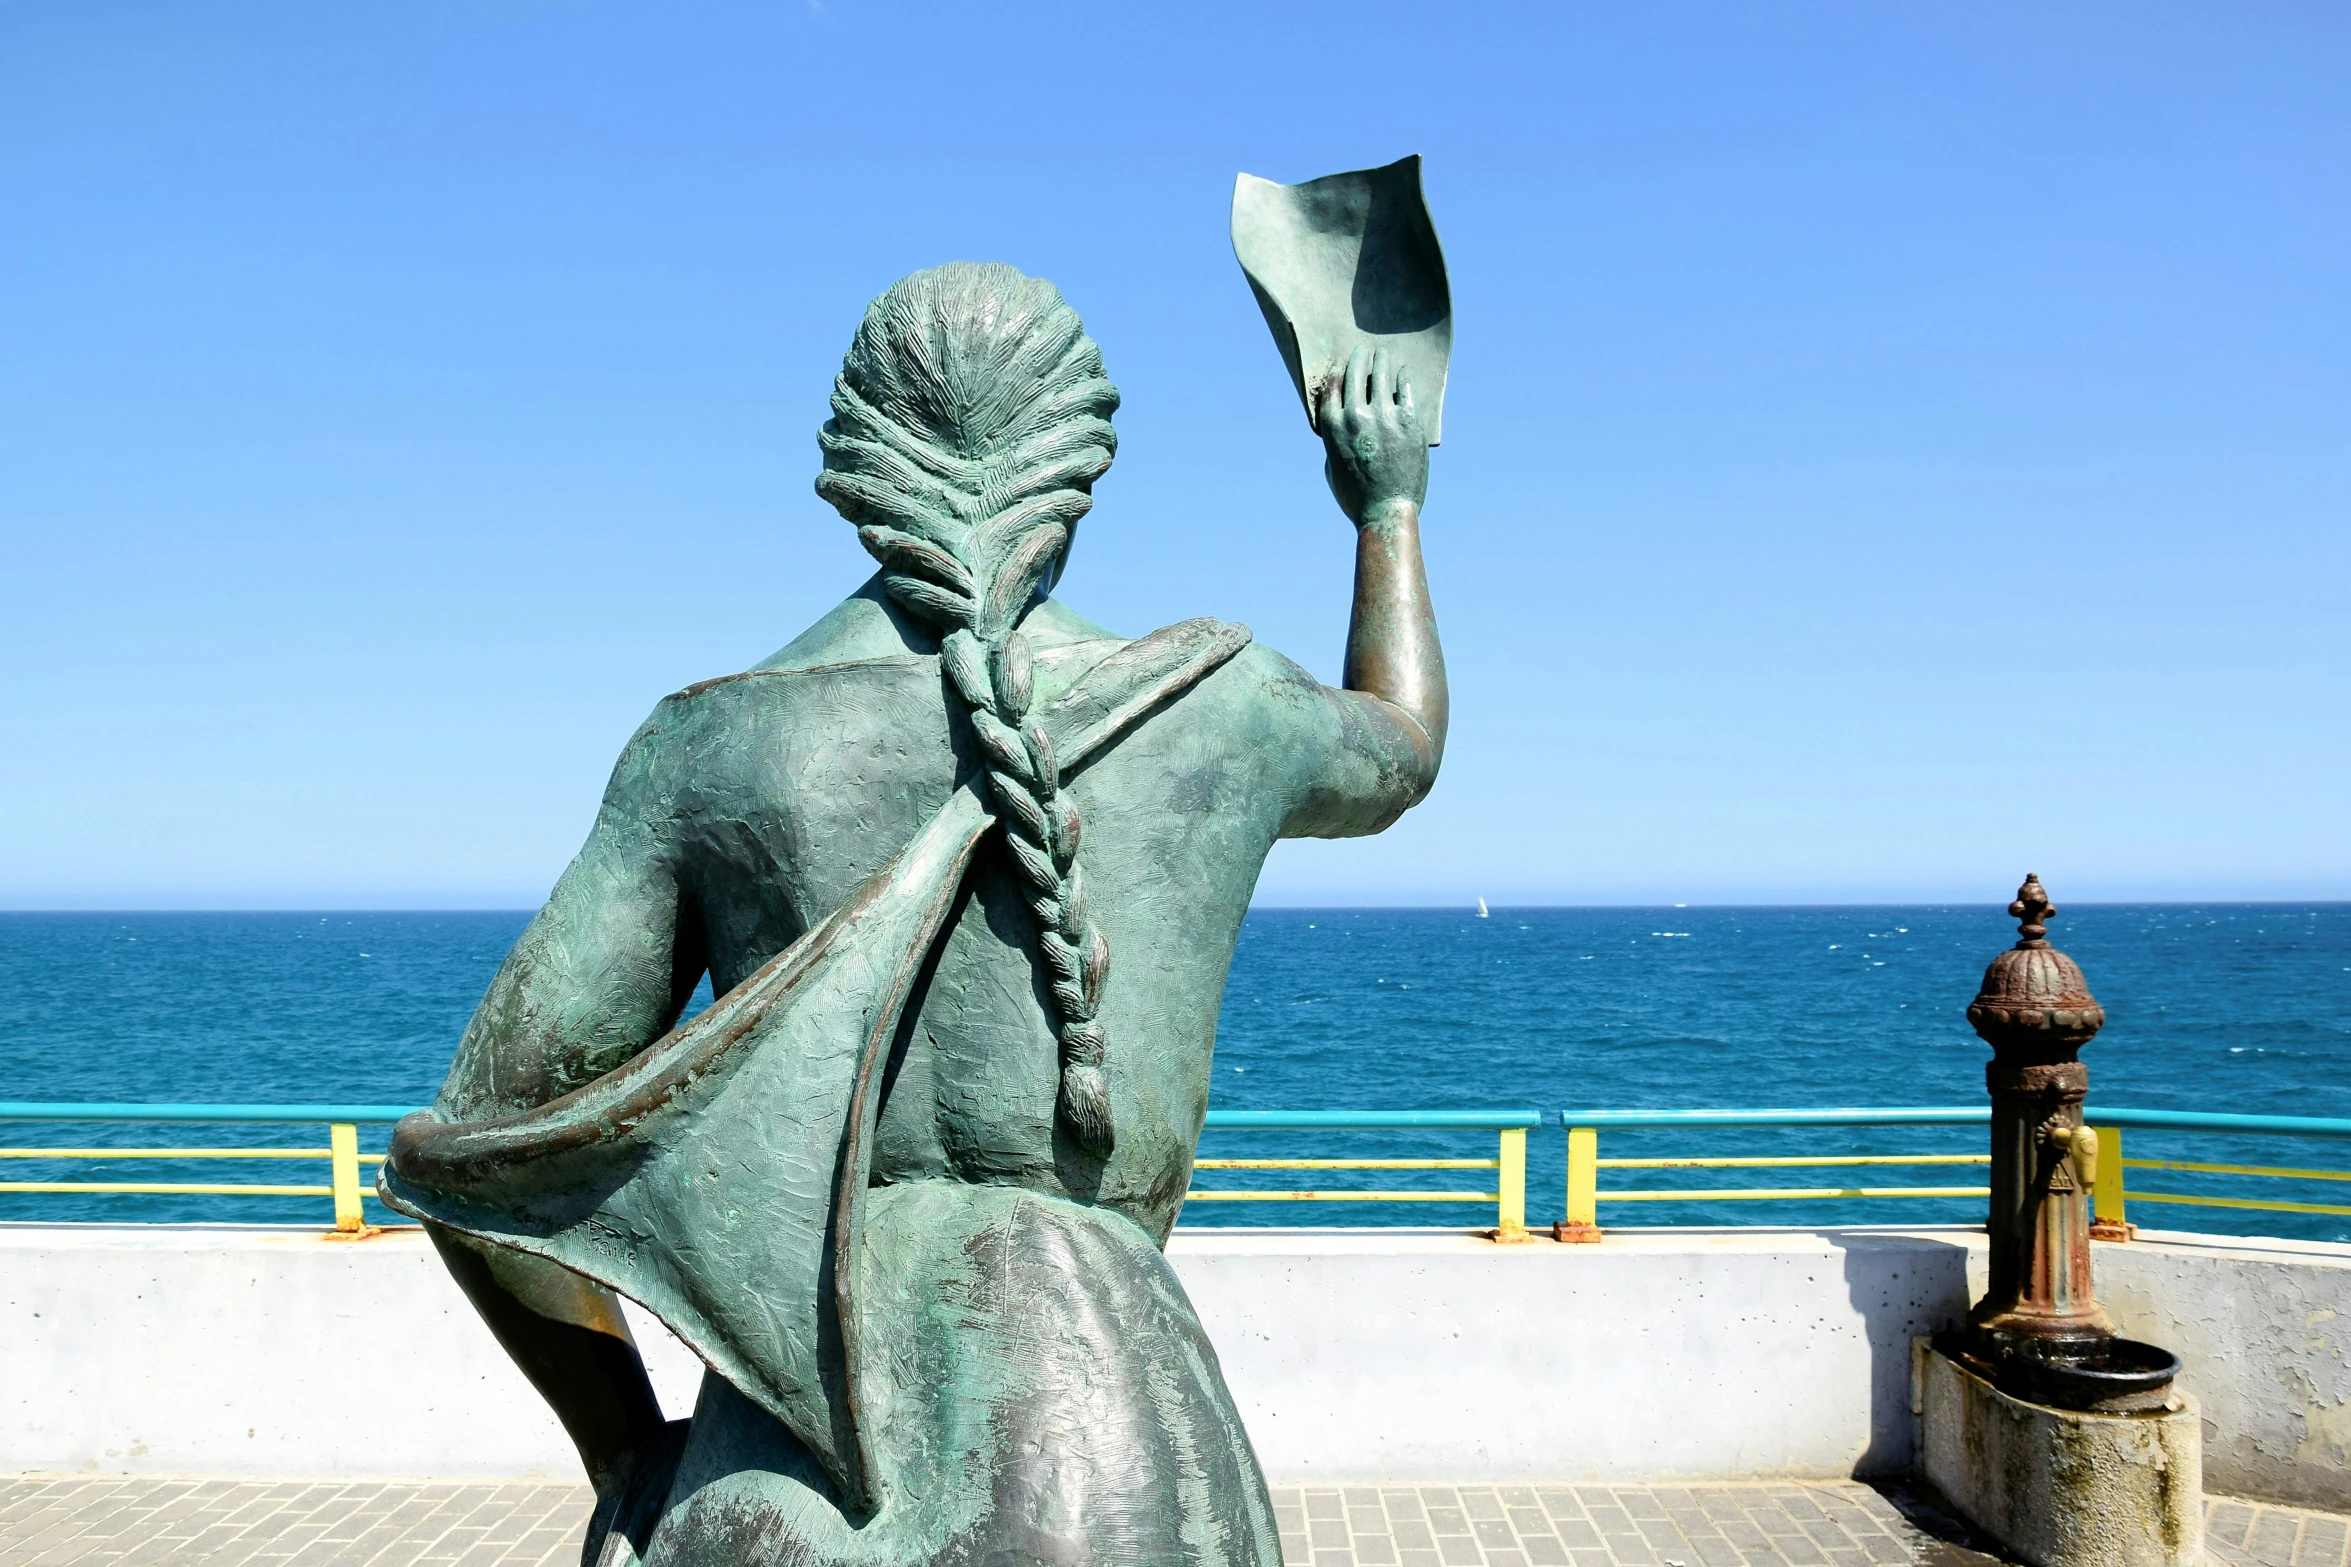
x: 1585, y: 1194
x: 1509, y: 1163
x: 2111, y: 1196
x: 343, y: 1158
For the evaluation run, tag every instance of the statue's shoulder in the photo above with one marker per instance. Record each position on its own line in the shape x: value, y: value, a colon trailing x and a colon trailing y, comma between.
x: 865, y: 626
x: 863, y: 636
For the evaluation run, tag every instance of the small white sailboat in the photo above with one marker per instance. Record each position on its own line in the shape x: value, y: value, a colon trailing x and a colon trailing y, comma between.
x: 1482, y: 914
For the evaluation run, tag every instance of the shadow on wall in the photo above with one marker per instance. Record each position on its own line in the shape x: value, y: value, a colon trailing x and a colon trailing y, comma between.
x: 1903, y: 1288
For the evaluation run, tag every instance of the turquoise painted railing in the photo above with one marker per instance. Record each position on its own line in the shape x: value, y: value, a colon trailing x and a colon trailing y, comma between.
x: 2110, y: 1195
x: 1509, y: 1163
x: 341, y: 1153
x: 344, y: 1158
x: 1509, y: 1128
x: 33, y: 1110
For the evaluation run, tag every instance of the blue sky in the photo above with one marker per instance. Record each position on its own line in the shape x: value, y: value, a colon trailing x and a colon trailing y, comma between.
x: 1889, y: 447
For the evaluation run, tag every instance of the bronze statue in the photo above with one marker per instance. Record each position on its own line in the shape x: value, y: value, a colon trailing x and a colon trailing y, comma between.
x: 966, y: 871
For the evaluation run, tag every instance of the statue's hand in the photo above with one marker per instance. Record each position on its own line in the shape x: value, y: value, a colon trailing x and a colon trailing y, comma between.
x: 1371, y: 434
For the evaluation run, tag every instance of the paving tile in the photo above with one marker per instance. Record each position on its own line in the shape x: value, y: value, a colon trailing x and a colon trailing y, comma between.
x: 367, y: 1546
x: 46, y: 1533
x: 154, y: 1553
x: 2273, y: 1536
x: 233, y: 1553
x: 1663, y: 1536
x: 1800, y: 1551
x: 321, y: 1553
x: 1745, y: 1533
x: 1885, y: 1550
x: 2324, y: 1542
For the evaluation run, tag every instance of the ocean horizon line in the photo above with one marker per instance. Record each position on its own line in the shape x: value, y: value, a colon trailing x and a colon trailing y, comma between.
x: 1418, y: 905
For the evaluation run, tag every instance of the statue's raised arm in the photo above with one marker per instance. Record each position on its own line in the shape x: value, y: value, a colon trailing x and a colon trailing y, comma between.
x: 1378, y: 465
x: 1352, y: 281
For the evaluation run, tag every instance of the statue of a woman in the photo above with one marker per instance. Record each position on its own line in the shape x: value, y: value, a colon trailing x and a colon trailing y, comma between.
x: 966, y: 871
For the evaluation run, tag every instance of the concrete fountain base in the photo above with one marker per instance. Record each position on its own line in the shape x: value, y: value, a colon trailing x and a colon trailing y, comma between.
x: 2058, y: 1487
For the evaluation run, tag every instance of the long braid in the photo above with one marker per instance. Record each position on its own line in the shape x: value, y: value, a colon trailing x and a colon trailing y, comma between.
x: 970, y: 421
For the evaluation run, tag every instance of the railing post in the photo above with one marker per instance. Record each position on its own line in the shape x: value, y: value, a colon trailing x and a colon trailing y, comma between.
x: 2108, y: 1222
x: 343, y: 1143
x: 1510, y: 1216
x: 1582, y: 1224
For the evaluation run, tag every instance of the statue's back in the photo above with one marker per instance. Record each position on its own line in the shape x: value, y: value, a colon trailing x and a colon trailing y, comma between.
x: 786, y: 786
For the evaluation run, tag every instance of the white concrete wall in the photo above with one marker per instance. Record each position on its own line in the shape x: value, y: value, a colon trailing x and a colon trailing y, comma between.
x: 1355, y: 1355
x: 2265, y: 1329
x: 259, y: 1350
x: 1369, y: 1355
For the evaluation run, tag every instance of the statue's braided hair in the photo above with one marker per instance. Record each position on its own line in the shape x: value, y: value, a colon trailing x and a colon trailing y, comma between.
x: 970, y: 421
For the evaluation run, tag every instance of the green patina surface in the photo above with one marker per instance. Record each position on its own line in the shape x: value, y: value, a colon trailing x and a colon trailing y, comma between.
x: 967, y: 871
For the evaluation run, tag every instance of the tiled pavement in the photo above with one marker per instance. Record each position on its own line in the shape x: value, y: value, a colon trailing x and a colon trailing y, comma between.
x: 2237, y: 1533
x: 1822, y: 1523
x: 50, y: 1521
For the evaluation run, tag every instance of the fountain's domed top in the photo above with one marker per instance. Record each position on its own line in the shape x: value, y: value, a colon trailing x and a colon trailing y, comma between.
x: 2033, y: 996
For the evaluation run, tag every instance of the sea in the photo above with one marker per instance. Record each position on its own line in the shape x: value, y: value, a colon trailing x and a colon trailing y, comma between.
x: 2220, y: 1006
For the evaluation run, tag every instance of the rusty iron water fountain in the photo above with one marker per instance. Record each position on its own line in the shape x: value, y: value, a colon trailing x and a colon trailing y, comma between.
x: 2039, y: 1333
